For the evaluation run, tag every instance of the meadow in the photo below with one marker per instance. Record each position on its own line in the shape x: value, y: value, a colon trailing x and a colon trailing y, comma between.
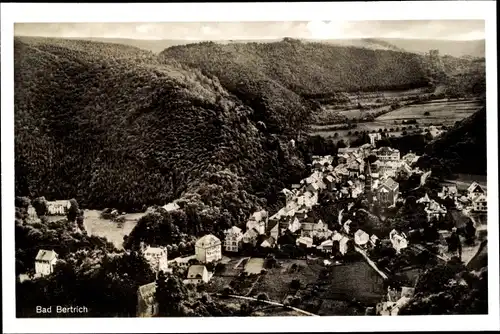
x: 114, y: 232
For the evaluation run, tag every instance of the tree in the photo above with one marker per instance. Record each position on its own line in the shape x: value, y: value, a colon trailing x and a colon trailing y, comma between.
x: 427, y: 113
x: 40, y: 205
x: 22, y: 202
x: 73, y: 210
x: 170, y: 292
x: 470, y: 232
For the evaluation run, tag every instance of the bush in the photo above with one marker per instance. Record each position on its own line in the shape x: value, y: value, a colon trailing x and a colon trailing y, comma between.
x: 295, y: 284
x: 262, y: 296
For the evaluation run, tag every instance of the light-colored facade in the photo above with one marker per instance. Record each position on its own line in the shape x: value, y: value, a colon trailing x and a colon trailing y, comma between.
x: 197, y: 274
x: 44, y: 262
x: 480, y: 204
x: 233, y: 240
x: 208, y: 249
x: 157, y: 258
x: 387, y: 154
x: 58, y: 208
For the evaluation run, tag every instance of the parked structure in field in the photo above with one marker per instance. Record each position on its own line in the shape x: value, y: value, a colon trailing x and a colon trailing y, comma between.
x: 233, y: 240
x: 44, y: 262
x: 58, y: 208
x: 208, y: 249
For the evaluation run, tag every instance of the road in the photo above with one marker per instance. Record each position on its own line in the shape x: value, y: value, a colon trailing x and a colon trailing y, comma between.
x: 271, y: 303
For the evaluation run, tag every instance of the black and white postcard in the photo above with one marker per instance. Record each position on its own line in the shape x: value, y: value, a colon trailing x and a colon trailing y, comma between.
x: 249, y: 166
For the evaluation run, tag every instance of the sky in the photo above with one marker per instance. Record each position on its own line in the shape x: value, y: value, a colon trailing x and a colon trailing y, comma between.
x: 421, y: 29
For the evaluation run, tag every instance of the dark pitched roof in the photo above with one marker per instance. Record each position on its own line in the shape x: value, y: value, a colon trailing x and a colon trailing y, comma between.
x: 389, y: 183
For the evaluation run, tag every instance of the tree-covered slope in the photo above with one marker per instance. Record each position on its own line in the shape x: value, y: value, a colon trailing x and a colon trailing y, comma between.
x: 462, y: 149
x: 110, y: 126
x: 305, y: 68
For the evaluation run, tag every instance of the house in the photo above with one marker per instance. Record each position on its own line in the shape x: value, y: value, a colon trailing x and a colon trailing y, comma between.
x: 44, y: 262
x: 270, y: 242
x: 475, y: 190
x: 250, y: 237
x: 171, y: 207
x: 343, y: 245
x: 355, y: 167
x: 424, y: 200
x: 404, y: 171
x: 410, y: 158
x: 197, y: 274
x: 58, y: 208
x: 480, y: 204
x: 373, y: 240
x: 435, y: 210
x: 32, y: 212
x: 347, y: 226
x: 398, y: 241
x: 273, y: 229
x: 258, y: 220
x: 387, y: 154
x: 374, y: 137
x: 305, y: 241
x: 329, y: 181
x: 233, y: 240
x: 182, y: 262
x: 361, y: 238
x: 294, y: 226
x: 326, y: 246
x: 448, y: 192
x: 146, y: 300
x: 208, y: 249
x: 321, y: 230
x: 156, y: 257
x: 387, y: 192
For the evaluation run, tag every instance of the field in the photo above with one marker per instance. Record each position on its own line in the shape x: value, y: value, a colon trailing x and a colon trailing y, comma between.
x: 254, y: 266
x: 114, y: 232
x: 442, y: 111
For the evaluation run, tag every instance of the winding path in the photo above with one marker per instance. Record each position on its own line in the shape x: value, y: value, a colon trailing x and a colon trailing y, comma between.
x: 270, y: 303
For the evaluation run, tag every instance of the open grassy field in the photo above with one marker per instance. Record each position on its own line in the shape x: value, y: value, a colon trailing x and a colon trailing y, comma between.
x: 114, y: 232
x: 254, y: 266
x: 446, y: 112
x: 276, y: 283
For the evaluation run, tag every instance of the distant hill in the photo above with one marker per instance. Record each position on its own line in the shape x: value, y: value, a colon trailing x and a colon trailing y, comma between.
x: 473, y: 48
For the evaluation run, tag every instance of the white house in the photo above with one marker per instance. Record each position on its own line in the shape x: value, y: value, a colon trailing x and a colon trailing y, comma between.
x: 480, y: 204
x: 156, y: 257
x: 208, y: 249
x: 58, y: 208
x: 306, y: 241
x: 361, y: 238
x: 233, y: 239
x: 171, y: 206
x: 475, y: 190
x: 398, y: 241
x: 197, y: 274
x: 250, y: 237
x: 387, y: 154
x: 45, y: 261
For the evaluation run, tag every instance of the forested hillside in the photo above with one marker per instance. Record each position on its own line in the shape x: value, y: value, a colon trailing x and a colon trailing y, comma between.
x: 109, y: 126
x: 304, y: 68
x: 462, y: 149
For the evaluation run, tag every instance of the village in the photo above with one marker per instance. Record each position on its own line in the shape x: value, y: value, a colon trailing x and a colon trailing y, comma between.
x: 274, y: 255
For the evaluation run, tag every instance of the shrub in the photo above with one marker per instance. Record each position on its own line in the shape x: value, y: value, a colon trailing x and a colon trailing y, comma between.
x: 262, y: 296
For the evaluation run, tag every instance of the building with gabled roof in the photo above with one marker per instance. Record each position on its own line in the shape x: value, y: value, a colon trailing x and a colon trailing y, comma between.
x: 475, y: 190
x: 208, y: 248
x: 480, y: 203
x: 156, y: 257
x: 387, y: 154
x: 233, y: 239
x: 387, y: 192
x: 197, y: 274
x: 58, y: 208
x: 361, y: 238
x: 45, y: 261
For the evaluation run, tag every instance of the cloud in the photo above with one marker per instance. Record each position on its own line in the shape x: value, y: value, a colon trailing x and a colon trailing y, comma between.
x: 423, y: 29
